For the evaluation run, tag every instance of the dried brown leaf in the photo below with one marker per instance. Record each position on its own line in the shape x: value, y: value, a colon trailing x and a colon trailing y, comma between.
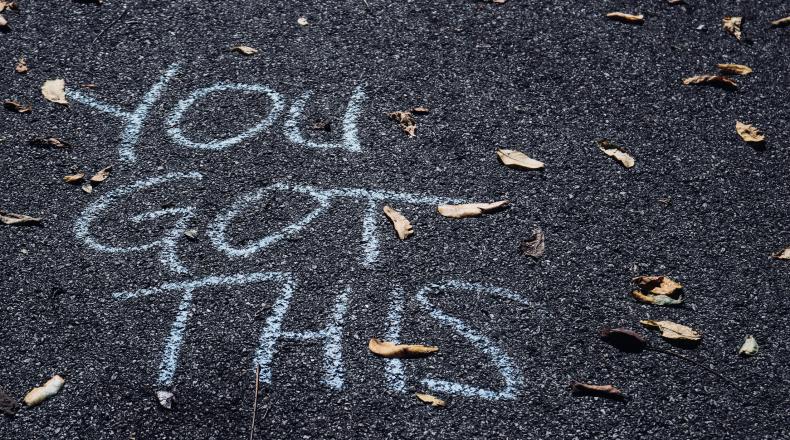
x: 49, y: 142
x: 586, y: 389
x: 431, y: 400
x: 390, y: 350
x: 420, y: 110
x: 711, y: 80
x: 626, y: 18
x: 658, y: 285
x: 616, y: 152
x: 88, y: 86
x: 471, y: 209
x: 782, y: 22
x: 42, y: 393
x: 517, y: 159
x: 21, y: 66
x: 782, y: 255
x: 733, y: 26
x: 54, y: 90
x: 17, y: 106
x: 399, y: 222
x: 673, y: 331
x: 406, y: 120
x: 74, y: 178
x: 244, y: 50
x: 659, y: 300
x: 8, y: 405
x: 3, y: 22
x: 749, y: 133
x: 749, y: 347
x: 9, y: 218
x: 8, y: 6
x: 735, y: 69
x: 535, y: 245
x: 623, y: 339
x: 322, y: 125
x: 102, y: 175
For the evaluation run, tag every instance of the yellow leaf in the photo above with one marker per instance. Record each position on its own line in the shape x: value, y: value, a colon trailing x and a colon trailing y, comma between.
x: 431, y: 400
x: 781, y: 22
x: 389, y: 350
x: 714, y: 80
x: 102, y: 175
x: 517, y: 159
x: 9, y: 218
x: 735, y: 69
x: 399, y: 222
x: 658, y: 285
x: 244, y: 50
x: 21, y: 66
x: 782, y: 255
x: 470, y: 209
x: 618, y: 153
x: 40, y: 394
x: 674, y: 331
x: 749, y: 133
x: 74, y: 178
x: 54, y: 90
x: 626, y: 18
x: 749, y: 347
x: 733, y: 26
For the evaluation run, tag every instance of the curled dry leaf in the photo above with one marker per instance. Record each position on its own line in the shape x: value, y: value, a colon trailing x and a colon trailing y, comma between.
x: 431, y: 400
x: 74, y: 178
x: 586, y: 389
x: 710, y: 80
x: 626, y: 18
x: 389, y: 350
x: 749, y: 347
x: 673, y: 331
x: 659, y: 300
x: 749, y: 133
x: 782, y: 22
x: 42, y: 393
x: 102, y: 175
x: 517, y: 159
x: 471, y: 209
x: 165, y: 399
x: 21, y: 66
x: 244, y: 50
x: 616, y: 152
x: 406, y: 120
x: 658, y: 285
x: 420, y: 110
x: 8, y: 405
x: 399, y: 222
x: 54, y: 90
x: 16, y: 106
x: 623, y: 339
x: 535, y: 245
x: 733, y: 26
x: 784, y: 254
x: 9, y: 218
x: 49, y: 142
x: 734, y: 69
x: 302, y: 21
x: 8, y: 5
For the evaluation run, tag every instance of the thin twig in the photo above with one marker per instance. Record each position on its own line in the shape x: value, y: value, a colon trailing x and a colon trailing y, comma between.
x: 255, y: 402
x: 123, y: 14
x: 699, y: 364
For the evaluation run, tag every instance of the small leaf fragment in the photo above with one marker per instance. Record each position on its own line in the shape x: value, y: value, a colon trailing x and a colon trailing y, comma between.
x: 733, y: 26
x: 658, y: 285
x: 672, y: 330
x: 21, y: 66
x: 782, y: 255
x: 623, y: 339
x: 471, y: 209
x: 734, y: 69
x: 87, y: 187
x: 102, y: 175
x: 399, y: 222
x: 302, y: 21
x: 659, y: 300
x: 407, y: 122
x: 420, y: 110
x: 390, y: 350
x: 42, y: 393
x: 626, y: 18
x: 191, y: 234
x: 616, y: 152
x: 711, y: 80
x: 8, y: 5
x: 782, y: 22
x: 74, y: 178
x: 16, y: 106
x: 49, y: 142
x: 9, y: 218
x: 165, y: 399
x: 749, y: 347
x: 517, y: 159
x: 3, y: 22
x: 54, y: 90
x: 586, y: 389
x: 431, y: 400
x: 534, y: 246
x: 749, y: 133
x: 8, y: 405
x: 244, y: 50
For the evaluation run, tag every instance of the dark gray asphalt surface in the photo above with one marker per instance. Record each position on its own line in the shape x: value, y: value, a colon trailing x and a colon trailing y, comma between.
x: 548, y: 79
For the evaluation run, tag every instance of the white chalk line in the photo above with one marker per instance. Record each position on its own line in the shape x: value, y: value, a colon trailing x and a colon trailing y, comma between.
x: 393, y: 369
